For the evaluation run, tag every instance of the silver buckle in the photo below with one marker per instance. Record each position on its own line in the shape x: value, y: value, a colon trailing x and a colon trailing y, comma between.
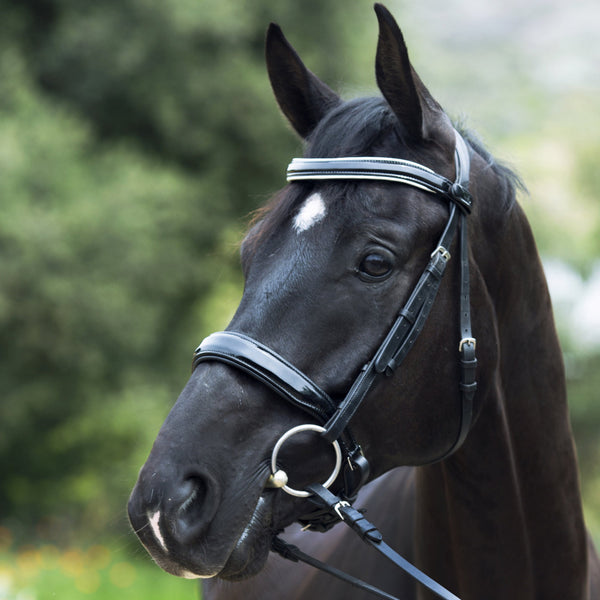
x: 441, y: 250
x: 467, y: 341
x: 338, y: 506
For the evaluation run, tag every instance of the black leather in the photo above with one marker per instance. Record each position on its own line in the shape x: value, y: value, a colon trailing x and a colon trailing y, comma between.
x: 267, y: 366
x: 294, y: 554
x: 382, y: 169
x: 370, y: 535
x: 402, y: 335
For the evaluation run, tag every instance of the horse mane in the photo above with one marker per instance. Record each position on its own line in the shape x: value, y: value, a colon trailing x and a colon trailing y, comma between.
x: 505, y: 173
x: 359, y: 127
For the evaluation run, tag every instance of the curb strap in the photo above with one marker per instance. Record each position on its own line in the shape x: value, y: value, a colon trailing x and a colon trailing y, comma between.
x: 356, y: 520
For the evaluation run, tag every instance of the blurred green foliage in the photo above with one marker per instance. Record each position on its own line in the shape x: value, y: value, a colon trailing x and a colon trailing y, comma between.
x: 134, y: 138
x: 47, y: 572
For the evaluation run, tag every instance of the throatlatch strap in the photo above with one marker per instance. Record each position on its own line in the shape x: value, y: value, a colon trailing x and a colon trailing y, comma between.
x: 466, y: 347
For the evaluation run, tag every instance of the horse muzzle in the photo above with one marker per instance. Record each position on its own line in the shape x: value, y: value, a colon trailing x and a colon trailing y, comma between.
x: 172, y: 515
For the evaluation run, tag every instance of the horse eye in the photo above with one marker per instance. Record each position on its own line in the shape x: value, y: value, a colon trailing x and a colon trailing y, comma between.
x: 375, y: 266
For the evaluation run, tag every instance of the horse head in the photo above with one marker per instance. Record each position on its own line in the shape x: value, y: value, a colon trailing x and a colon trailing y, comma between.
x: 328, y: 265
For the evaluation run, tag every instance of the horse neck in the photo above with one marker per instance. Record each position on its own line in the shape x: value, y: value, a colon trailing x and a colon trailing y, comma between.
x: 502, y: 517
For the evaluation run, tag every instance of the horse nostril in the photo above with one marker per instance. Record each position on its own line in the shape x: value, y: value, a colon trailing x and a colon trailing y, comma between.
x: 198, y: 503
x: 195, y: 489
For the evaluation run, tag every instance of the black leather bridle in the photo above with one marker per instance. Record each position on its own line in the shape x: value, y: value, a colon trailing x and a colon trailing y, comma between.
x: 265, y: 365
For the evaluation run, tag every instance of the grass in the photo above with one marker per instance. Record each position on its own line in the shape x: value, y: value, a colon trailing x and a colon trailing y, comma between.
x: 46, y: 572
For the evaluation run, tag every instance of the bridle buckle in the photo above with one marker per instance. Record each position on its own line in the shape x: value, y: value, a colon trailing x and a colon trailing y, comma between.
x: 338, y: 508
x: 442, y: 252
x: 467, y: 340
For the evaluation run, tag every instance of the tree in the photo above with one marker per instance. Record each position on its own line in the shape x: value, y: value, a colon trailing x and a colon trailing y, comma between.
x: 133, y: 136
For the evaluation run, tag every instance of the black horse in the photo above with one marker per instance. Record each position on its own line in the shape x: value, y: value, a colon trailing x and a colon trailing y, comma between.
x: 491, y: 507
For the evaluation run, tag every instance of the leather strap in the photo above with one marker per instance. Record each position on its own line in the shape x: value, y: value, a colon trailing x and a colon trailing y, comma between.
x: 402, y: 335
x: 370, y: 535
x: 466, y: 347
x: 412, y: 317
x: 294, y: 554
x: 264, y: 364
x: 382, y: 169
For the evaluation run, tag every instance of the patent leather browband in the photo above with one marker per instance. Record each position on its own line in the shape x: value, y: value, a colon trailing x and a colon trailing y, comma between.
x: 381, y: 169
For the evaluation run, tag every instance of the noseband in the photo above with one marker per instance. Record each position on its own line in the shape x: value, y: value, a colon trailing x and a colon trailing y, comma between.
x: 265, y: 365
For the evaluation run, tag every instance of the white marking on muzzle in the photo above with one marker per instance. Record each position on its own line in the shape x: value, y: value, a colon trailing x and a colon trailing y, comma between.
x: 154, y: 521
x: 312, y: 211
x: 190, y: 575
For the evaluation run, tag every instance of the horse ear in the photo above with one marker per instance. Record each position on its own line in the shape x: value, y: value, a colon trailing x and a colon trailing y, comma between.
x: 399, y: 83
x: 302, y: 96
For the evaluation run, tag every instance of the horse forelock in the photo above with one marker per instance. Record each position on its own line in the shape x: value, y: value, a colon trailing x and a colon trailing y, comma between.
x: 359, y: 127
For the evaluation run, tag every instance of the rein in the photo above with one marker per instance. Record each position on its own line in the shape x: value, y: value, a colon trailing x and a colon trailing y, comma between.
x: 356, y: 520
x: 267, y: 366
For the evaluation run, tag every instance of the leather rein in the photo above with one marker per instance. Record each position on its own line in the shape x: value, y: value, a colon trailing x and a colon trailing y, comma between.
x: 265, y: 365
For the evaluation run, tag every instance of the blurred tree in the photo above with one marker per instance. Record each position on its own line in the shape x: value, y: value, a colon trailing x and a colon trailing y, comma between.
x: 184, y: 79
x: 98, y: 248
x: 133, y: 136
x: 583, y: 384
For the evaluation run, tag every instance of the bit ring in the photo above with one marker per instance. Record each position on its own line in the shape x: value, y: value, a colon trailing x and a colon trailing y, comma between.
x: 293, y: 431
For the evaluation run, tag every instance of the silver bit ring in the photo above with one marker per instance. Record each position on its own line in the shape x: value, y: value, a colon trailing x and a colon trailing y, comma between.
x: 288, y: 434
